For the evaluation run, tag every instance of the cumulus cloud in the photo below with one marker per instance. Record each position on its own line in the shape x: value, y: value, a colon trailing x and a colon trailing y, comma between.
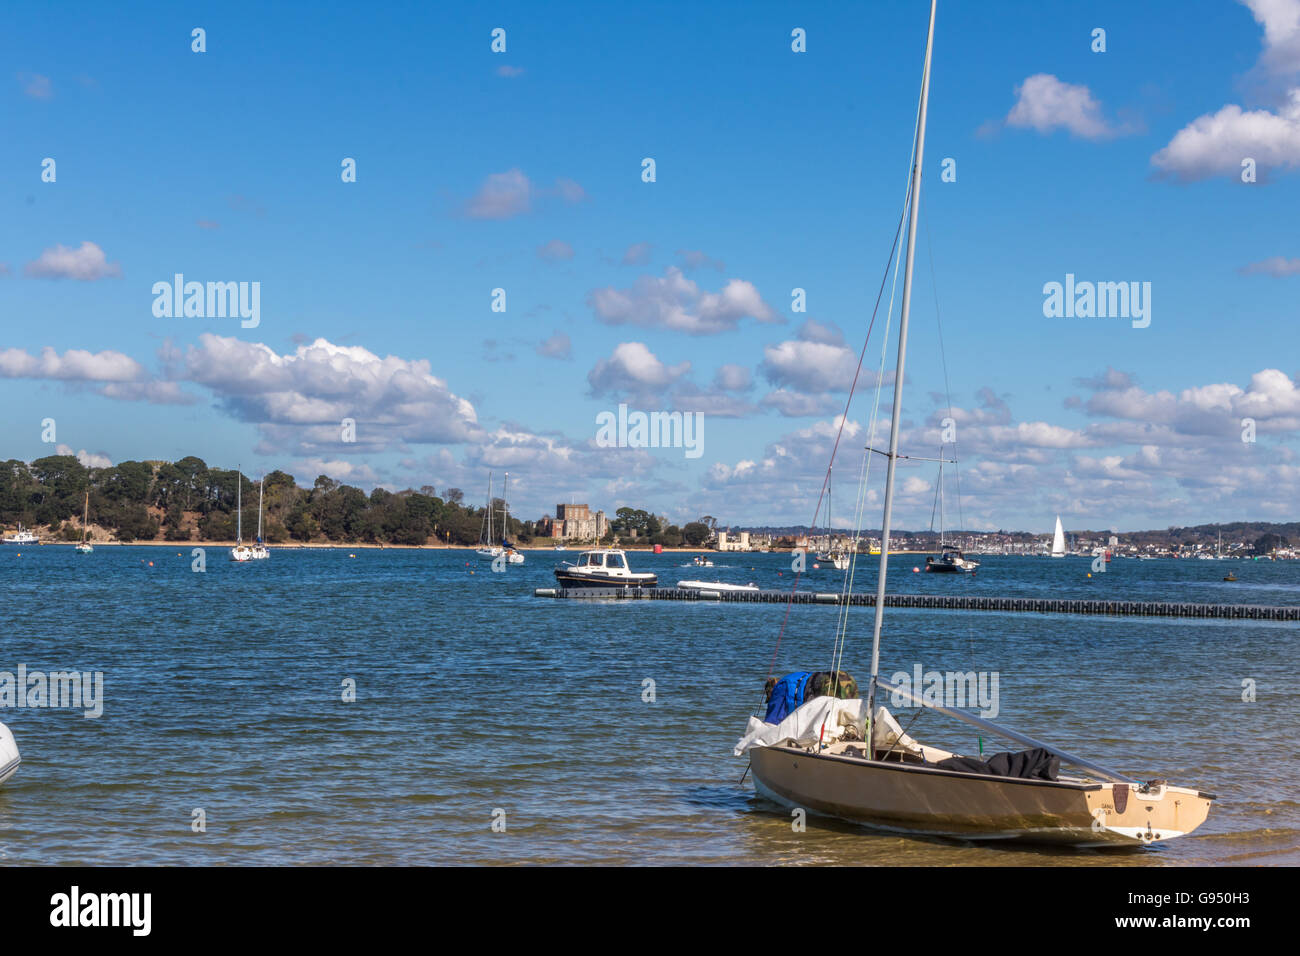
x: 632, y: 369
x: 86, y: 263
x: 74, y: 365
x: 675, y: 302
x: 1216, y: 144
x: 87, y: 459
x: 815, y: 361
x: 304, y: 395
x: 1281, y: 22
x: 1045, y: 103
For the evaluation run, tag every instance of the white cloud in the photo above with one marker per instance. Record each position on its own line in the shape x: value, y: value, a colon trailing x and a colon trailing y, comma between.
x: 634, y: 370
x: 74, y: 365
x: 86, y: 263
x: 87, y: 459
x: 816, y: 361
x: 1281, y: 22
x: 1216, y: 144
x: 502, y: 196
x: 1044, y: 103
x: 1273, y: 266
x: 675, y: 302
x: 304, y: 395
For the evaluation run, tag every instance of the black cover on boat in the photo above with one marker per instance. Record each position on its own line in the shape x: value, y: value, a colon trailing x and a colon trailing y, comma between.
x: 1035, y: 764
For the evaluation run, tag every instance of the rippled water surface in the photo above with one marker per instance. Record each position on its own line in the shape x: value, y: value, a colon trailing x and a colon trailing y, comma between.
x: 223, y: 691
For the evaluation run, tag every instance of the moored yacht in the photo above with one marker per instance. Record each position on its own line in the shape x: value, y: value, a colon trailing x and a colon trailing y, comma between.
x: 950, y: 561
x: 21, y: 537
x: 603, y: 568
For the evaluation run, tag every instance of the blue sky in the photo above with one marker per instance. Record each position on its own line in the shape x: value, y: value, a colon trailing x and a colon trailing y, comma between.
x: 774, y: 170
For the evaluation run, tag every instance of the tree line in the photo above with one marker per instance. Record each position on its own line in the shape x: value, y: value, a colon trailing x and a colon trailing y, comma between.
x: 188, y: 500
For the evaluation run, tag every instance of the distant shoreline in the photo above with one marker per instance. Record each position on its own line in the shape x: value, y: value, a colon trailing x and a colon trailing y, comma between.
x: 334, y: 546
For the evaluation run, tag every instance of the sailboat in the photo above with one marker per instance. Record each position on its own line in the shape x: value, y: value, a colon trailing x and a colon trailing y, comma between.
x: 85, y: 547
x: 241, y: 551
x: 512, y: 555
x: 848, y: 759
x: 950, y: 560
x: 486, y: 549
x: 832, y: 555
x: 1058, y: 540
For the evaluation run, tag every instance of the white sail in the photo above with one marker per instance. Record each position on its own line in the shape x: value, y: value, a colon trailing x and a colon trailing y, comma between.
x: 1058, y: 540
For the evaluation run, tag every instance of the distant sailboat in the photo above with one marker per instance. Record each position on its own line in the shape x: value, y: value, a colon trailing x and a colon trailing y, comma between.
x: 486, y: 549
x: 241, y: 551
x: 85, y: 547
x: 950, y: 560
x: 1058, y: 540
x: 832, y: 555
x: 512, y: 555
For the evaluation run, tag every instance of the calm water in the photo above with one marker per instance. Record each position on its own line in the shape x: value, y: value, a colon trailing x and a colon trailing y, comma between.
x: 223, y: 692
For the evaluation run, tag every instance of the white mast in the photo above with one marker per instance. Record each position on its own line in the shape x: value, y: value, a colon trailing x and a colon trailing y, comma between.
x: 239, y: 507
x: 898, y: 372
x: 259, y: 510
x: 489, y: 510
x: 85, y: 516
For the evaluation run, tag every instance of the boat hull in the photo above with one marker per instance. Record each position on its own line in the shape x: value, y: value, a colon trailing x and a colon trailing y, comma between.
x: 568, y: 579
x: 928, y: 801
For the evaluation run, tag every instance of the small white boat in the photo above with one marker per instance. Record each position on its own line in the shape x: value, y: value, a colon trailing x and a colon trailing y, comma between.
x: 701, y: 562
x: 603, y: 568
x: 9, y: 757
x: 21, y: 537
x: 715, y: 586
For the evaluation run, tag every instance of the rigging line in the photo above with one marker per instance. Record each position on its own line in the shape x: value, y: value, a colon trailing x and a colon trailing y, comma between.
x: 934, y: 286
x: 843, y: 418
x: 842, y: 620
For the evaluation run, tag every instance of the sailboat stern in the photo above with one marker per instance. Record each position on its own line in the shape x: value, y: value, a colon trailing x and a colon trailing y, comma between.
x: 1123, y: 814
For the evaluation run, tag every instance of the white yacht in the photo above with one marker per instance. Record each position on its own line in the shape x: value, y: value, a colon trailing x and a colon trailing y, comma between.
x: 21, y: 537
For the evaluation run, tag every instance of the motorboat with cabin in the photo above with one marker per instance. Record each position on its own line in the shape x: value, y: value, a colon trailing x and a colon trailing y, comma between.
x: 950, y: 561
x: 603, y: 568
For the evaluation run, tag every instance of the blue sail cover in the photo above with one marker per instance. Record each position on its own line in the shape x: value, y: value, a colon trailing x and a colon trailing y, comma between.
x: 786, y: 696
